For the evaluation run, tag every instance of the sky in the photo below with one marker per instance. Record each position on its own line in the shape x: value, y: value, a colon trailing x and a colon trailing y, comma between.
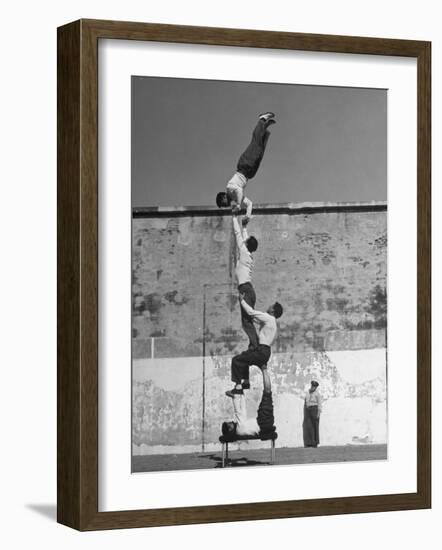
x: 329, y: 143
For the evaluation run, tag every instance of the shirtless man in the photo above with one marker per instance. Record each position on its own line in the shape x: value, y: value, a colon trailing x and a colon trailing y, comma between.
x: 260, y: 355
x: 246, y: 169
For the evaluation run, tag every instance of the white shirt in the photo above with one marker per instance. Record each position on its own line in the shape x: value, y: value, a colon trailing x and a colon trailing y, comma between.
x: 244, y: 425
x: 313, y: 398
x: 238, y: 181
x: 267, y: 324
x: 235, y: 190
x: 244, y: 261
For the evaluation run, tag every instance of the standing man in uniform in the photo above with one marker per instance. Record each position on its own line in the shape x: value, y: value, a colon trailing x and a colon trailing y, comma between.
x: 312, y: 413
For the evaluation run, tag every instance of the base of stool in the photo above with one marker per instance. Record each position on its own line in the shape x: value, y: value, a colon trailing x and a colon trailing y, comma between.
x: 225, y: 450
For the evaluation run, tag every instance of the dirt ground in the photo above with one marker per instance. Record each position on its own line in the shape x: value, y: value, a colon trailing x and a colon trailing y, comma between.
x: 258, y: 457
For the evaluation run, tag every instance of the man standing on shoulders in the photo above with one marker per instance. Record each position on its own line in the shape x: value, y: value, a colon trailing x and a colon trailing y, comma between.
x: 245, y: 246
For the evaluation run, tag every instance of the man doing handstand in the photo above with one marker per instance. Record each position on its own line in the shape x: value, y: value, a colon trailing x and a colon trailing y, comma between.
x: 260, y: 355
x: 246, y: 169
x: 262, y: 425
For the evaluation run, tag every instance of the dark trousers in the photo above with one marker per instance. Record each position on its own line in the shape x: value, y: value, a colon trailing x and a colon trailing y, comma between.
x: 310, y: 427
x: 265, y: 418
x: 246, y: 321
x: 250, y: 160
x: 258, y: 356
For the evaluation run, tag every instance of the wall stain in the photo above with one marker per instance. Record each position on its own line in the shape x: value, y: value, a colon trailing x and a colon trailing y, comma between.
x: 174, y: 297
x: 329, y: 275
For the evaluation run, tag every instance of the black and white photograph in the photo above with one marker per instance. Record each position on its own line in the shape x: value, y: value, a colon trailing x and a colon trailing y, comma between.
x: 259, y: 274
x: 220, y: 275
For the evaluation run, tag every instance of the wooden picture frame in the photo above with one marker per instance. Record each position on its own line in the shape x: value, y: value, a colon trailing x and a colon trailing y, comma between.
x: 77, y: 459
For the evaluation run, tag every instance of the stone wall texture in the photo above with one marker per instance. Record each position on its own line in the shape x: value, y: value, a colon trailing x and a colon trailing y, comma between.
x: 325, y: 263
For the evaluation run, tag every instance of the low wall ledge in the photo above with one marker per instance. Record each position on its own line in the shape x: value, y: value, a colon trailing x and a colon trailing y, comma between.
x: 284, y: 208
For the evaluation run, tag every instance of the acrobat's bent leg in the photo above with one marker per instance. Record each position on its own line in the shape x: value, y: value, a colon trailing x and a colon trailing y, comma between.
x: 242, y: 362
x: 239, y: 372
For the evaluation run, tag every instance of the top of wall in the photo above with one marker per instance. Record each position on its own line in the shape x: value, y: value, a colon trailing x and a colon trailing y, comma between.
x: 285, y: 208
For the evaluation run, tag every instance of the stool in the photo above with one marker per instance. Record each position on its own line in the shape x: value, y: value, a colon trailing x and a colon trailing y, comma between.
x: 226, y: 440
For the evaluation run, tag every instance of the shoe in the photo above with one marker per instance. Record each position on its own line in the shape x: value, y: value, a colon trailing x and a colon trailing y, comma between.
x: 266, y: 116
x: 231, y: 393
x: 246, y: 385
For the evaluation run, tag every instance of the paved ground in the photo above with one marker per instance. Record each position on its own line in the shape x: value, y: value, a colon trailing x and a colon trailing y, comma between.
x: 259, y: 457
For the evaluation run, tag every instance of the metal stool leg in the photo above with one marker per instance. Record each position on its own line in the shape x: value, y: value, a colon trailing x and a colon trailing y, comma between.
x: 223, y: 455
x: 227, y: 453
x: 272, y: 452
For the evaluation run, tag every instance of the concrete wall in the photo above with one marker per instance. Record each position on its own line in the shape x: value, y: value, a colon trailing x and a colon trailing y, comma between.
x: 325, y: 263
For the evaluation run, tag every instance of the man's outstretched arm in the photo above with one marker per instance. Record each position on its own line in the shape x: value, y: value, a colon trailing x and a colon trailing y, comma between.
x: 267, y: 385
x: 249, y: 205
x: 239, y: 407
x: 255, y: 314
x: 237, y: 200
x: 240, y: 235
